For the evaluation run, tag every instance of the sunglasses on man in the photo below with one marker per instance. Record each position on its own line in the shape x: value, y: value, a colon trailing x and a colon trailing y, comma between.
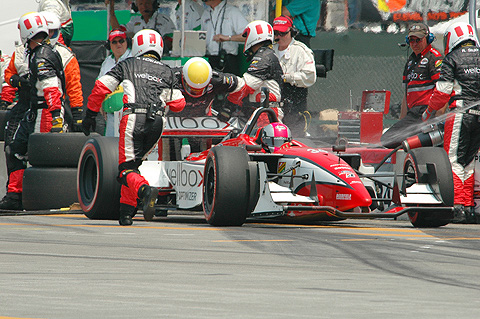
x: 280, y: 34
x: 121, y: 41
x: 414, y: 40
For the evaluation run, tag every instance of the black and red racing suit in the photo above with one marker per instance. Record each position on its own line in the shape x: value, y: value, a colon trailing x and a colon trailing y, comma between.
x: 419, y: 77
x: 47, y: 84
x: 459, y: 85
x: 149, y: 88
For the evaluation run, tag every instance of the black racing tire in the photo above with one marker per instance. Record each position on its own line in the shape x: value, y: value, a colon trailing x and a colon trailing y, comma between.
x: 55, y: 150
x: 3, y: 123
x: 226, y: 187
x: 415, y: 171
x: 97, y: 188
x: 49, y: 187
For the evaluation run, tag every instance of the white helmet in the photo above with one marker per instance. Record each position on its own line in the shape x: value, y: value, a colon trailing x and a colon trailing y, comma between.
x: 147, y: 40
x: 196, y: 76
x: 457, y: 33
x: 274, y: 135
x: 256, y: 32
x: 53, y: 24
x: 31, y: 24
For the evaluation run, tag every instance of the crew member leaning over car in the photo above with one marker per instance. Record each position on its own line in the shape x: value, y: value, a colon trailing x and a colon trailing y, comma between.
x: 421, y: 72
x: 264, y: 71
x: 149, y: 89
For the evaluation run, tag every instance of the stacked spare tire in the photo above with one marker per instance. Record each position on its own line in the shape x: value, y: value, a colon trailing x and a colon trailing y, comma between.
x: 50, y: 181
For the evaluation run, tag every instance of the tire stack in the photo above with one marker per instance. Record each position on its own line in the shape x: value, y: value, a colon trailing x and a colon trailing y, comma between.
x: 50, y: 181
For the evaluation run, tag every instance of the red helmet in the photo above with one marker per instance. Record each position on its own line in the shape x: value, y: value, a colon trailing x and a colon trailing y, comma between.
x: 275, y: 135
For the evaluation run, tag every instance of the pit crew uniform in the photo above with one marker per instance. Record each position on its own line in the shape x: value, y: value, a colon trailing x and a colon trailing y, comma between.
x: 419, y: 77
x: 47, y: 83
x: 459, y: 85
x: 298, y: 66
x: 193, y: 14
x: 264, y: 71
x: 149, y: 88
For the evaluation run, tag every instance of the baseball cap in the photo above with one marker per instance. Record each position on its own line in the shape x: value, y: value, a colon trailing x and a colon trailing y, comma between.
x: 418, y: 30
x: 116, y: 33
x: 282, y: 24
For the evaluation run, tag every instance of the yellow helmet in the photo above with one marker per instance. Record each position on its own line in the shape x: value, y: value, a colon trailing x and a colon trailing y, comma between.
x: 197, y: 74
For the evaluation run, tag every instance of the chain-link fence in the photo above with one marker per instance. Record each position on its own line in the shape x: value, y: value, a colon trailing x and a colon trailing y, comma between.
x: 343, y: 87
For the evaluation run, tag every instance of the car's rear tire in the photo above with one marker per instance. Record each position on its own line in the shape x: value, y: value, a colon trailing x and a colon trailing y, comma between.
x: 415, y: 171
x: 97, y: 188
x: 226, y: 190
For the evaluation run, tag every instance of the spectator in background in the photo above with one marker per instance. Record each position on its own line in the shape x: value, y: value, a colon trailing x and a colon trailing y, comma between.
x: 299, y: 73
x: 421, y: 72
x: 62, y: 9
x: 193, y: 15
x: 117, y: 43
x: 149, y: 18
x: 305, y: 15
x: 224, y: 24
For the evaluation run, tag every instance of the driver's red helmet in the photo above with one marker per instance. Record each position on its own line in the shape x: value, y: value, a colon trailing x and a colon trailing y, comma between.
x: 274, y: 135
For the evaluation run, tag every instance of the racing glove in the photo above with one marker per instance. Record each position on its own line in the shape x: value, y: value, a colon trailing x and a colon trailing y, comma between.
x: 428, y: 114
x: 18, y: 81
x: 226, y: 112
x: 77, y: 119
x: 57, y: 122
x: 4, y: 105
x: 88, y: 122
x: 229, y: 81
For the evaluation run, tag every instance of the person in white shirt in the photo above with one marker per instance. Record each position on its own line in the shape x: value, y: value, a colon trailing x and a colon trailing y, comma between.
x: 299, y: 73
x: 62, y: 9
x: 149, y: 18
x: 117, y: 43
x: 193, y: 14
x: 224, y: 24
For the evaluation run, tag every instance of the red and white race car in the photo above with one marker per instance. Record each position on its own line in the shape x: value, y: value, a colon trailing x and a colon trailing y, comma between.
x: 236, y: 179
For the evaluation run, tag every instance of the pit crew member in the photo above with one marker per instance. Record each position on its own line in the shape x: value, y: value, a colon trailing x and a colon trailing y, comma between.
x: 149, y: 88
x: 459, y: 86
x: 47, y: 84
x: 421, y: 72
x: 264, y: 71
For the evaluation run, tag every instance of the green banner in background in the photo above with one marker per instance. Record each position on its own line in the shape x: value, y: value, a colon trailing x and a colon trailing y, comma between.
x: 92, y: 25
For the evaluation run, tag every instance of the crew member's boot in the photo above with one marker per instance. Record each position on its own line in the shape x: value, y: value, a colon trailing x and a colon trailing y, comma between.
x: 470, y: 215
x: 459, y: 215
x: 148, y: 195
x: 126, y: 214
x: 11, y: 201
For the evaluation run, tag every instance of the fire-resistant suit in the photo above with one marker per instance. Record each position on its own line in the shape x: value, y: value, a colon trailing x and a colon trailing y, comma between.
x: 149, y: 88
x: 264, y: 71
x: 47, y: 82
x: 459, y: 85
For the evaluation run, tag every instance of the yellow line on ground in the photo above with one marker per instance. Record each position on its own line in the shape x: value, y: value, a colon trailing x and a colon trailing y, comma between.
x: 342, y: 227
x: 391, y: 235
x: 117, y: 226
x: 16, y: 318
x: 238, y: 240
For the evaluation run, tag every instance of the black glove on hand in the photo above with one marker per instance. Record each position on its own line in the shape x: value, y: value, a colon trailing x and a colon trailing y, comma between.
x: 57, y: 122
x: 77, y: 113
x: 18, y: 81
x: 89, y: 123
x: 4, y: 105
x: 226, y: 112
x: 229, y: 81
